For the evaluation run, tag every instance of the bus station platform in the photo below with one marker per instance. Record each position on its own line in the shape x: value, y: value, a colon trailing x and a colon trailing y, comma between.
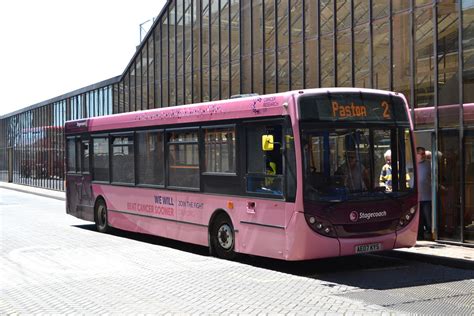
x: 433, y: 252
x: 58, y: 195
x: 438, y: 252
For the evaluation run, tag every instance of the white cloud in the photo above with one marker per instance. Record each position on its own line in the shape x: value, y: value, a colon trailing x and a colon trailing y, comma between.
x: 52, y: 47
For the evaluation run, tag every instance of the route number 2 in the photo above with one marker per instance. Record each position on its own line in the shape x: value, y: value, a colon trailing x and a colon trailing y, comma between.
x: 386, y: 109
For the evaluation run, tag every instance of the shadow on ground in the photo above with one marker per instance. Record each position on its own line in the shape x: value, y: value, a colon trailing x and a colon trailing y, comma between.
x: 379, y: 271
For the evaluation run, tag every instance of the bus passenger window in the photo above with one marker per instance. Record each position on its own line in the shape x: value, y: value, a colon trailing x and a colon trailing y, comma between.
x: 123, y: 165
x: 219, y: 150
x: 183, y: 159
x: 100, y: 158
x: 150, y: 164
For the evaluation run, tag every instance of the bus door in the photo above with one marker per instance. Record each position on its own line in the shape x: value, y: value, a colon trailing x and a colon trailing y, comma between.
x: 86, y: 200
x: 263, y: 212
x: 316, y: 157
x: 80, y: 201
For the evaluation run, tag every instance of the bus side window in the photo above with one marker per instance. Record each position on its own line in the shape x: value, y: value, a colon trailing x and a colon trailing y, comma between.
x: 100, y: 158
x: 150, y: 157
x: 264, y: 168
x: 183, y: 159
x: 77, y: 155
x: 71, y: 155
x: 123, y: 159
x: 85, y: 151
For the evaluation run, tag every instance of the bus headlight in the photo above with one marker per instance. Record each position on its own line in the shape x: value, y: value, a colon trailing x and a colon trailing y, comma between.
x: 406, y: 217
x: 320, y: 225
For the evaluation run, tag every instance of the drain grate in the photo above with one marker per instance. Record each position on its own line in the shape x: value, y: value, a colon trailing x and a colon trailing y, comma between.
x: 460, y: 305
x: 440, y: 298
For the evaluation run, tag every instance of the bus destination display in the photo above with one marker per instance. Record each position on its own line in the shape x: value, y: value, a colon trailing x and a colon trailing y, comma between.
x: 352, y: 107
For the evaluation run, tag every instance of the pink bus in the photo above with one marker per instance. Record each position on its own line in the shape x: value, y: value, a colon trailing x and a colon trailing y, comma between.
x: 294, y: 176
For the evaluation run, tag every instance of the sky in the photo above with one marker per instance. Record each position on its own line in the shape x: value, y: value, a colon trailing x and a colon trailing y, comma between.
x: 52, y: 47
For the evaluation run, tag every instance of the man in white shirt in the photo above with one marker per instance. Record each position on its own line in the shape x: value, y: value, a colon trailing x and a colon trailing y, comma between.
x: 424, y: 193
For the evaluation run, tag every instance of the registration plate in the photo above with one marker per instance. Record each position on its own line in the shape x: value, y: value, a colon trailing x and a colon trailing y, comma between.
x: 368, y: 248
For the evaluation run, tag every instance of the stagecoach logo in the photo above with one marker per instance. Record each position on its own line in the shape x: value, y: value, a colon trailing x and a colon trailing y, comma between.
x: 355, y: 216
x: 81, y: 124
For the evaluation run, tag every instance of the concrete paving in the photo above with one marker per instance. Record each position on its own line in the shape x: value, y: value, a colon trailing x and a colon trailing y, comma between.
x: 53, y: 263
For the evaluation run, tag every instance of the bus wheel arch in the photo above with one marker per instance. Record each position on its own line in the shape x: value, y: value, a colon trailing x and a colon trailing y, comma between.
x: 221, y: 235
x: 101, y: 215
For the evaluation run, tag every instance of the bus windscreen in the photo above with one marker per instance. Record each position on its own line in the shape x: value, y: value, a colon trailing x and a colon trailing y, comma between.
x: 349, y: 106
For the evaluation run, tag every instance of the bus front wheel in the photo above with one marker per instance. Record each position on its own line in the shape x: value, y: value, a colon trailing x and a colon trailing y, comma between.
x: 223, y: 237
x: 101, y: 222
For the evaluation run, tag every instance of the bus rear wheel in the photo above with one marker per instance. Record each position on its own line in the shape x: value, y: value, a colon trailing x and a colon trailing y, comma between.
x: 223, y: 237
x: 100, y: 215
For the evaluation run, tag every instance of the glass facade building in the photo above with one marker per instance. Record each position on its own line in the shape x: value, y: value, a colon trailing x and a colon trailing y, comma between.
x: 202, y: 50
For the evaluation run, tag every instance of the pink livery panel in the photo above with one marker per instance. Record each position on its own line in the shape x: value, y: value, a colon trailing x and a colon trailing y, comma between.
x: 263, y: 227
x: 259, y: 224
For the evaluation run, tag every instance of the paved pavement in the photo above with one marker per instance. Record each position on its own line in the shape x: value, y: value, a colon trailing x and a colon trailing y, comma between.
x: 427, y: 251
x: 53, y: 263
x: 439, y: 253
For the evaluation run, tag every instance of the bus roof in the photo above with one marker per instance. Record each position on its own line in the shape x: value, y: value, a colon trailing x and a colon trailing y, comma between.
x: 246, y: 107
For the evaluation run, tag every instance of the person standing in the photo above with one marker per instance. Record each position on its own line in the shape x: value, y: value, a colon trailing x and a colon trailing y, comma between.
x: 424, y: 193
x: 385, y: 179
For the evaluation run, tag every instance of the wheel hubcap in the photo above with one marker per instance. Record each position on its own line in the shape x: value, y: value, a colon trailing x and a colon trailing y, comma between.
x: 224, y: 236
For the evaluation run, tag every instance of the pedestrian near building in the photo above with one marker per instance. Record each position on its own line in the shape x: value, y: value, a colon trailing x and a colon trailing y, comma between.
x: 424, y: 193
